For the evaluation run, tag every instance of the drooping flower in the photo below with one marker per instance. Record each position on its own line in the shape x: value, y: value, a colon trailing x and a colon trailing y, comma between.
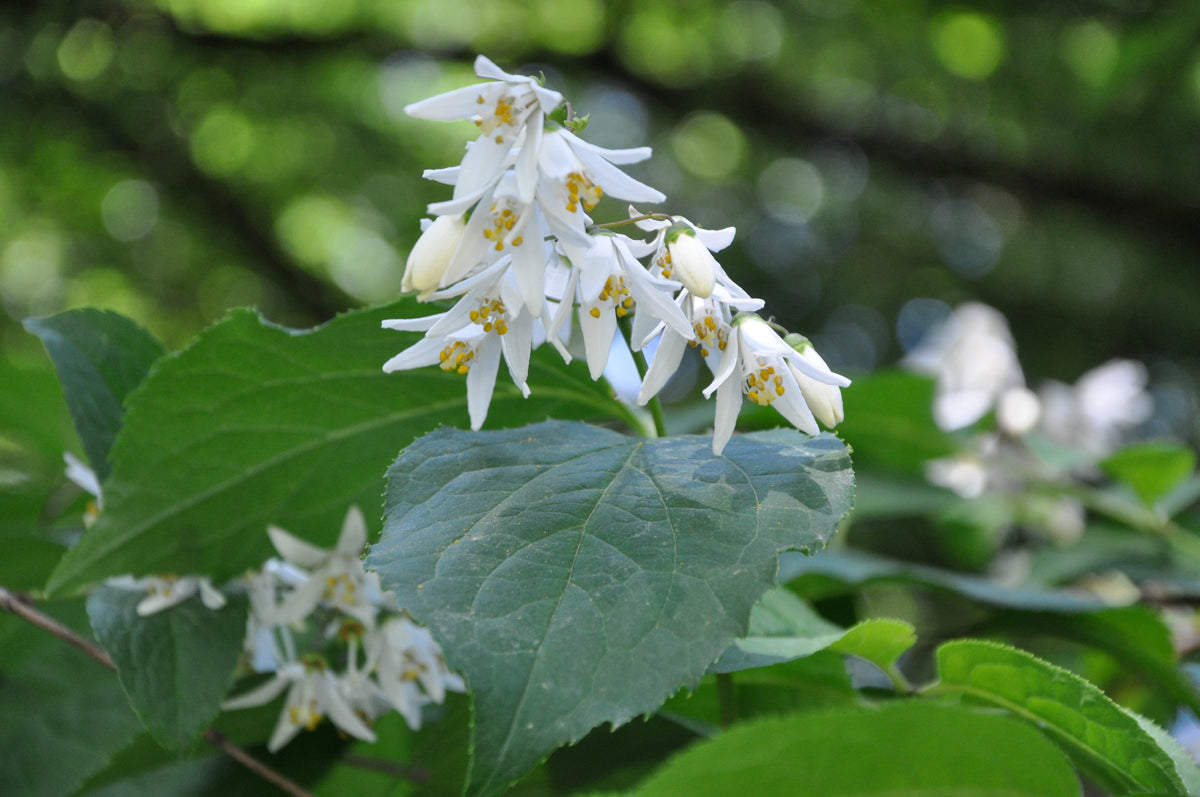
x: 609, y: 284
x: 469, y: 339
x: 335, y: 577
x: 313, y: 693
x: 406, y: 656
x: 757, y: 363
x: 431, y: 255
x: 163, y: 592
x: 823, y: 398
x: 503, y: 110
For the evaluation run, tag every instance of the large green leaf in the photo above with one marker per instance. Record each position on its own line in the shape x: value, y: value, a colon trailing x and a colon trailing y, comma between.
x: 254, y: 424
x: 578, y: 576
x: 898, y: 750
x: 100, y: 357
x: 176, y: 664
x: 1105, y: 740
x: 62, y: 715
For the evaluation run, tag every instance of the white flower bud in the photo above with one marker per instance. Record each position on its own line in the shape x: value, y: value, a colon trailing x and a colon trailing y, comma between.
x: 431, y: 254
x: 692, y: 264
x: 823, y: 399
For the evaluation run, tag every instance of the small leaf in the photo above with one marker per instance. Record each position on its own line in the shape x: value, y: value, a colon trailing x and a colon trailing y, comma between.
x: 254, y: 424
x: 880, y: 641
x: 62, y: 715
x: 1152, y: 469
x: 100, y: 357
x: 782, y: 627
x: 1105, y: 740
x: 900, y: 749
x: 576, y: 576
x: 175, y: 665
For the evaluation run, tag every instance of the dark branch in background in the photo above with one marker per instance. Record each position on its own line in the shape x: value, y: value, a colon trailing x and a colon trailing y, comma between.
x: 22, y: 607
x: 1154, y: 211
x: 218, y: 205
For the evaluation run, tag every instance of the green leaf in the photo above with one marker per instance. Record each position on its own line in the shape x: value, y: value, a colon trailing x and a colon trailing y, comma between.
x: 1152, y: 470
x: 577, y: 576
x: 783, y: 627
x: 175, y: 665
x: 254, y: 424
x: 1105, y: 740
x: 889, y: 422
x: 62, y: 714
x: 100, y: 357
x: 833, y: 572
x: 900, y: 749
x: 880, y: 641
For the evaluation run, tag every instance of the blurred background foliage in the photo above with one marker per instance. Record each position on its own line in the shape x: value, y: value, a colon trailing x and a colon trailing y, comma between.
x: 882, y: 162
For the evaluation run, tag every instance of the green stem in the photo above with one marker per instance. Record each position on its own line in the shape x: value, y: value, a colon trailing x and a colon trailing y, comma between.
x: 654, y: 405
x: 726, y: 699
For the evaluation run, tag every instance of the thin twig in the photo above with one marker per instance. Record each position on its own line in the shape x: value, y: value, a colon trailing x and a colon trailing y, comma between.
x: 411, y: 773
x: 22, y: 606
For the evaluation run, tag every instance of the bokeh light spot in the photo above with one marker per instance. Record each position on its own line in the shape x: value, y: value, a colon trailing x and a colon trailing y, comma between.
x: 967, y: 43
x: 1090, y: 50
x: 708, y: 145
x: 130, y: 210
x: 86, y: 50
x: 574, y: 27
x: 223, y: 142
x: 791, y: 190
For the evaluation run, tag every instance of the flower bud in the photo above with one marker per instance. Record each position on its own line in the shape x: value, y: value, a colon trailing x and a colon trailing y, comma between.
x: 824, y: 400
x: 692, y: 264
x: 431, y: 254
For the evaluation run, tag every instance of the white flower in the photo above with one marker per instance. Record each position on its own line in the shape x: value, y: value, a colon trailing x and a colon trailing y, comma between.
x: 1099, y: 408
x: 469, y: 339
x: 502, y: 110
x: 406, y: 655
x: 84, y: 477
x: 823, y: 398
x: 336, y: 577
x: 312, y: 694
x: 431, y: 255
x: 974, y: 359
x: 760, y: 360
x: 163, y: 592
x: 572, y: 177
x: 610, y: 283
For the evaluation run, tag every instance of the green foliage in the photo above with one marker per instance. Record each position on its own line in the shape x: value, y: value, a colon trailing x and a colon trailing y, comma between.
x: 62, y: 716
x: 1153, y: 469
x: 253, y: 424
x: 605, y: 573
x: 901, y: 748
x: 175, y: 665
x: 1103, y: 739
x: 100, y: 358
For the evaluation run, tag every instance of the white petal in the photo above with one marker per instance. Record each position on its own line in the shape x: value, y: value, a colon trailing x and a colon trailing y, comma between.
x: 481, y: 380
x: 597, y: 337
x: 634, y: 155
x: 715, y: 240
x: 330, y: 698
x: 450, y: 106
x: 212, y: 597
x: 729, y: 403
x: 412, y: 324
x: 422, y: 353
x: 353, y: 538
x: 516, y: 344
x: 81, y: 474
x: 727, y: 366
x: 296, y: 550
x: 664, y: 365
x: 261, y: 694
x: 617, y: 183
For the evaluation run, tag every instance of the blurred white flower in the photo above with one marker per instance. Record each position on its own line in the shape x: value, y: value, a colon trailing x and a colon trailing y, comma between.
x: 163, y: 592
x: 974, y: 359
x: 313, y: 693
x: 406, y: 656
x: 335, y: 577
x: 1097, y: 411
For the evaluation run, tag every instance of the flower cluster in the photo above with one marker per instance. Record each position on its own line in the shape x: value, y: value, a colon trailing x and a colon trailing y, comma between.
x: 314, y: 609
x: 516, y: 248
